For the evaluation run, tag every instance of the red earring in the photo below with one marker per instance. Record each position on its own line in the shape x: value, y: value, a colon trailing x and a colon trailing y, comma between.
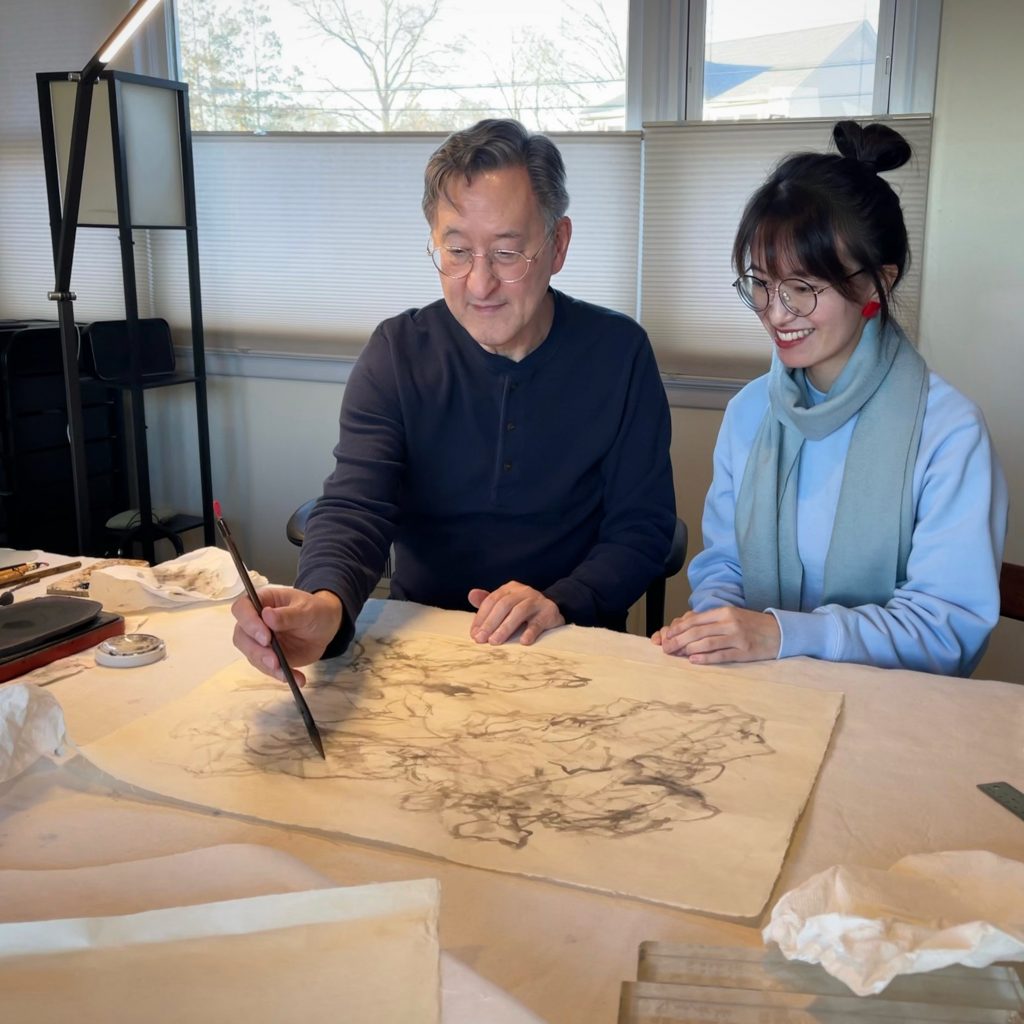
x: 870, y: 309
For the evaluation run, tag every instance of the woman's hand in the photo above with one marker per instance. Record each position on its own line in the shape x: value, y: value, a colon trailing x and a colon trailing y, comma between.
x: 721, y: 634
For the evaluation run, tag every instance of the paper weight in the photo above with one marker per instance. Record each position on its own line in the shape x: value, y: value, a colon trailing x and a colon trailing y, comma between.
x: 130, y: 650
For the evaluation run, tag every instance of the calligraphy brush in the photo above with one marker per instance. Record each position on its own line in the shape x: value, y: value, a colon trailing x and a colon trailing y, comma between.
x: 9, y: 573
x: 300, y: 701
x: 38, y: 574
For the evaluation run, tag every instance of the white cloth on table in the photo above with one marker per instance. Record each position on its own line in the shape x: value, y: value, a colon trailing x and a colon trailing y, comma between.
x: 31, y: 726
x: 207, y: 574
x: 865, y: 926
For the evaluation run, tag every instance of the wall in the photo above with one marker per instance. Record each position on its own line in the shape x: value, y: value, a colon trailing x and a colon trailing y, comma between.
x: 271, y: 443
x: 40, y: 37
x: 971, y: 324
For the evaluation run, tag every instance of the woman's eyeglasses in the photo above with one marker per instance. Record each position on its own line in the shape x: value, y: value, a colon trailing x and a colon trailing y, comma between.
x: 800, y: 297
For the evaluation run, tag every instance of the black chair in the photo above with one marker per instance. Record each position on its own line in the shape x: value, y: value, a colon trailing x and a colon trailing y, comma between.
x: 1011, y: 591
x: 296, y: 528
x: 128, y: 536
x: 654, y: 601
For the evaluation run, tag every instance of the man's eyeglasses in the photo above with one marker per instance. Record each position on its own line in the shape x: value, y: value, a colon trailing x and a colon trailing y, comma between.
x: 507, y: 265
x: 800, y: 297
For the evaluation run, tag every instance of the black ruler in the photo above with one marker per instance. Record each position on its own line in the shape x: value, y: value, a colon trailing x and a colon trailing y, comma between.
x: 1003, y: 793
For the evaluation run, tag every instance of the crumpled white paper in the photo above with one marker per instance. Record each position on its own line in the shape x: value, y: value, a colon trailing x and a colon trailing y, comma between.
x: 31, y: 725
x: 207, y: 574
x: 865, y: 926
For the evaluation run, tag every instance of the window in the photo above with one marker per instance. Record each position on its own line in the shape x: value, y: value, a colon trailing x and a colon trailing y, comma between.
x: 788, y: 59
x: 717, y: 60
x: 402, y: 65
x: 556, y: 65
x: 285, y: 220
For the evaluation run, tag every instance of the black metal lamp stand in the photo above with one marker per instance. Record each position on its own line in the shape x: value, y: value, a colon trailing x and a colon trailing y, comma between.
x: 64, y: 249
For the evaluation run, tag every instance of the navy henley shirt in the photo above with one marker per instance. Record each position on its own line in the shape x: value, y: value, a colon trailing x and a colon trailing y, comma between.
x: 553, y: 471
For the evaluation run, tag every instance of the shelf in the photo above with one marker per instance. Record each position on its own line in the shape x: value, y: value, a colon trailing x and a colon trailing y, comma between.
x: 171, y: 205
x: 163, y: 380
x: 180, y: 522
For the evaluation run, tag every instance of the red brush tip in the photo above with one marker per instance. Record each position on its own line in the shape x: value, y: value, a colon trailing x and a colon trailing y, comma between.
x: 216, y: 509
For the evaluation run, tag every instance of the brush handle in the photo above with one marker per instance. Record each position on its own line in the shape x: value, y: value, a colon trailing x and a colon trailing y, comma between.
x: 275, y: 644
x: 243, y: 572
x: 38, y: 574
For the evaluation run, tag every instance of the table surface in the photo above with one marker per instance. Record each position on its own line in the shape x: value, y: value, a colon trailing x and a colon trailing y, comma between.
x: 900, y: 777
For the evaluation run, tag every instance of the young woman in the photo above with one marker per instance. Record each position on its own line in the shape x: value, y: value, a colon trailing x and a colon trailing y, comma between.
x: 857, y: 511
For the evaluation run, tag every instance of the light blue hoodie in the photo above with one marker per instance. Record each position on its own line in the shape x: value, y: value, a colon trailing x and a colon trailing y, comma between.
x: 939, y: 619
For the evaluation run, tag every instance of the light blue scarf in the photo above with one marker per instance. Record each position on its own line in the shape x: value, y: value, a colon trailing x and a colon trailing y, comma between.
x: 886, y: 381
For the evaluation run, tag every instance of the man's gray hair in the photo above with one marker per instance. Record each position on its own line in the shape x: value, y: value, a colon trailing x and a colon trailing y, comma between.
x: 491, y: 145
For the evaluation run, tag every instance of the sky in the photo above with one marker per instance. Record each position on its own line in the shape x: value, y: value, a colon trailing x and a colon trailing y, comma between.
x: 737, y: 19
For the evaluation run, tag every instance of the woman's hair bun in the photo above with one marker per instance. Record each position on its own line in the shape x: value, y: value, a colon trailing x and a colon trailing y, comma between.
x: 875, y: 145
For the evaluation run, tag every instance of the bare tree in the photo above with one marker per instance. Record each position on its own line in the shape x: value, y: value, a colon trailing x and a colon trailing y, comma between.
x: 550, y: 85
x: 397, y: 75
x: 592, y: 29
x: 533, y: 85
x: 232, y: 59
x: 396, y: 56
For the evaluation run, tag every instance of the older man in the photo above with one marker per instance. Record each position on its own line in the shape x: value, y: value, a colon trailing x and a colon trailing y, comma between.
x: 511, y: 442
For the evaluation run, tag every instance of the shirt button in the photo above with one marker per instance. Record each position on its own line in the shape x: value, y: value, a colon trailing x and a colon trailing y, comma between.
x: 507, y: 466
x: 510, y: 426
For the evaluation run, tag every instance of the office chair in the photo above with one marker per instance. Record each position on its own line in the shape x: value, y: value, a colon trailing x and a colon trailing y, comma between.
x: 1011, y: 591
x: 654, y: 602
x: 296, y: 528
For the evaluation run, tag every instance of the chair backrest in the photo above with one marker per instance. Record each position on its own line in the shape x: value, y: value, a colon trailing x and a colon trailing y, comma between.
x: 296, y: 528
x: 1011, y: 591
x: 654, y: 602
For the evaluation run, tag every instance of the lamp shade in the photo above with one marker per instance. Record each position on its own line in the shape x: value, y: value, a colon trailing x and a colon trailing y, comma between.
x: 147, y: 121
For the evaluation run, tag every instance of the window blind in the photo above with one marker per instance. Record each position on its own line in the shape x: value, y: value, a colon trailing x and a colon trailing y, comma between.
x: 307, y: 242
x: 697, y: 179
